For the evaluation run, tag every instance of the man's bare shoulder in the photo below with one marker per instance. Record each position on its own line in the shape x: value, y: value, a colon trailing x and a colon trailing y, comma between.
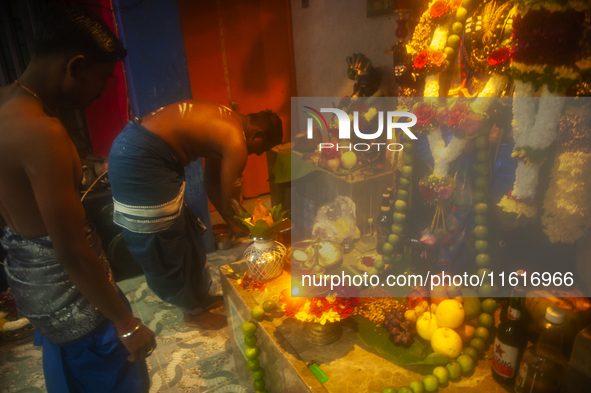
x: 23, y: 119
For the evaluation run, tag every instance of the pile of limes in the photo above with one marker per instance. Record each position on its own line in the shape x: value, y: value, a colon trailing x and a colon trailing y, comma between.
x: 252, y: 352
x: 464, y: 363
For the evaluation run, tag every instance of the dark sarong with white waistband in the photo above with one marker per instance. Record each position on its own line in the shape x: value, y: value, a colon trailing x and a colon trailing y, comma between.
x: 162, y: 233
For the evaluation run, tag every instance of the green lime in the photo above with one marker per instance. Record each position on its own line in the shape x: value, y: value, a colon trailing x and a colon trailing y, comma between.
x: 481, y: 208
x: 453, y: 40
x: 258, y: 374
x: 403, y: 183
x: 481, y: 219
x: 252, y: 353
x: 482, y: 333
x: 387, y: 249
x: 482, y: 260
x: 400, y: 206
x: 479, y: 195
x: 379, y: 265
x: 399, y: 218
x: 482, y: 168
x: 408, y: 158
x: 487, y: 290
x: 454, y: 370
x: 402, y: 194
x: 486, y: 320
x: 431, y: 383
x: 457, y: 28
x: 489, y: 306
x: 393, y: 238
x: 482, y: 155
x: 478, y: 344
x: 261, y: 391
x: 484, y: 272
x: 250, y: 341
x: 449, y: 52
x: 249, y: 328
x: 253, y: 364
x: 471, y: 352
x: 404, y: 389
x: 481, y: 246
x: 387, y: 259
x: 259, y: 384
x: 481, y: 142
x: 397, y: 229
x: 408, y: 147
x: 481, y: 182
x: 388, y: 389
x: 466, y: 363
x: 481, y: 232
x: 442, y: 374
x: 406, y: 171
x: 471, y: 307
x: 269, y: 306
x: 461, y: 14
x: 317, y: 269
x: 416, y: 386
x: 257, y: 313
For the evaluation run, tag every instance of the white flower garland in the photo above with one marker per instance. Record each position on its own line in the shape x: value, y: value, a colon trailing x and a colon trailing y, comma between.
x: 444, y: 155
x: 534, y: 129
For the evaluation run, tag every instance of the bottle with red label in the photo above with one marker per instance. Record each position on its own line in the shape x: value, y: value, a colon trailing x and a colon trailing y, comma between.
x: 511, y: 340
x: 543, y: 367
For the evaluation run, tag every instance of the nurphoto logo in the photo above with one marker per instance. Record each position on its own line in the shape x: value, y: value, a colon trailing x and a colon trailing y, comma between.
x: 345, y: 128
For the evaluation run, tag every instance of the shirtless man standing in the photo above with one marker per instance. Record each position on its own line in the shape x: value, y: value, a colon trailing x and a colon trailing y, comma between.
x: 55, y: 266
x: 146, y: 170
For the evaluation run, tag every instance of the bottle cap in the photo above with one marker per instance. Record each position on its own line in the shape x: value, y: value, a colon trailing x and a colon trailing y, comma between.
x: 555, y: 315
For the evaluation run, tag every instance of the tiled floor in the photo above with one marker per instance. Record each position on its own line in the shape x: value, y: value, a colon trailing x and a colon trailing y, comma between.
x: 187, y: 360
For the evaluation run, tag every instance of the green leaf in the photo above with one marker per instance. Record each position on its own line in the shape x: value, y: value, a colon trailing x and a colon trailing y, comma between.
x: 419, y: 356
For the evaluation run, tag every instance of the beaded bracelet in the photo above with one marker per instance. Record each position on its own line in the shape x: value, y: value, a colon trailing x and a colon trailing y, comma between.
x: 131, y: 332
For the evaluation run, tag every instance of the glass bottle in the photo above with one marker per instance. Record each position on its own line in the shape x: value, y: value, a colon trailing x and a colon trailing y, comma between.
x: 384, y: 223
x: 543, y: 367
x: 511, y: 340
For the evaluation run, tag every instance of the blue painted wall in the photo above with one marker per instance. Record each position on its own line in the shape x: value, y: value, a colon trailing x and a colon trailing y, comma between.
x: 157, y: 75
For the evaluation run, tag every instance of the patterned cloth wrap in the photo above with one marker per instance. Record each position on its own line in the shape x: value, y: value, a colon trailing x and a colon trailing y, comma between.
x: 161, y: 232
x: 43, y: 291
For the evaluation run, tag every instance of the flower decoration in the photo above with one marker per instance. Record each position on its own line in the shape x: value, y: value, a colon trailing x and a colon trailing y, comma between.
x: 499, y: 56
x: 457, y: 113
x: 437, y: 188
x: 421, y: 59
x: 318, y: 309
x: 249, y: 283
x: 436, y: 57
x: 262, y: 222
x: 470, y: 124
x: 424, y: 114
x: 438, y: 9
x: 10, y: 322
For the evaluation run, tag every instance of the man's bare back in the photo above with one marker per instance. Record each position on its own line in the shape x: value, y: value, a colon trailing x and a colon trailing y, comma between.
x: 198, y: 128
x: 25, y: 125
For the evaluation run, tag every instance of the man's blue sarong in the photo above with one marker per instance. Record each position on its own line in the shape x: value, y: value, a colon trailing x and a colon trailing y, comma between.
x: 94, y: 364
x: 81, y: 351
x: 162, y: 233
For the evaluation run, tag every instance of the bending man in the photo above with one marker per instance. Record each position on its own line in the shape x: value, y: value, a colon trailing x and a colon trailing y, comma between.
x: 146, y: 170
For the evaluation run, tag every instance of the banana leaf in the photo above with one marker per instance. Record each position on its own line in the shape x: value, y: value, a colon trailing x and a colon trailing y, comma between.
x: 419, y: 357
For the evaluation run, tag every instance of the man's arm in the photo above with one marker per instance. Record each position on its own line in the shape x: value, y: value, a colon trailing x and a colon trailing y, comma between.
x: 223, y: 184
x: 50, y: 169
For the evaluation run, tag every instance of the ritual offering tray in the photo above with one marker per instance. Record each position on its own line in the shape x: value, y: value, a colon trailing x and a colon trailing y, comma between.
x: 317, y: 256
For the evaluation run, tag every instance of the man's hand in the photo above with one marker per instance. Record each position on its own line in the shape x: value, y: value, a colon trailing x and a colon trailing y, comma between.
x: 141, y: 344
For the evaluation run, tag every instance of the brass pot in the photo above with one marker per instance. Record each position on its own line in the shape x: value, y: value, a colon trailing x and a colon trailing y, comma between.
x: 319, y: 334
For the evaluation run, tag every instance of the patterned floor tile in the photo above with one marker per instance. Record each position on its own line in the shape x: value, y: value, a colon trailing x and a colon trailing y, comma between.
x: 21, y: 369
x: 187, y: 360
